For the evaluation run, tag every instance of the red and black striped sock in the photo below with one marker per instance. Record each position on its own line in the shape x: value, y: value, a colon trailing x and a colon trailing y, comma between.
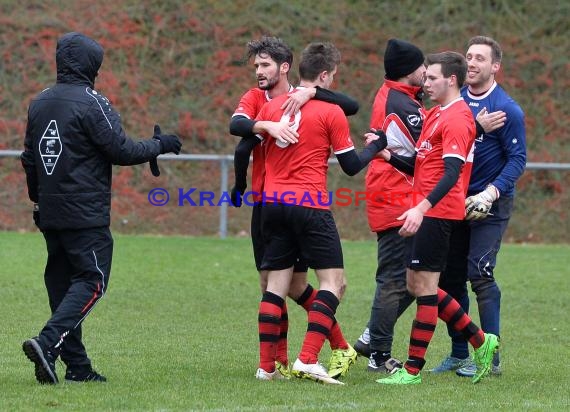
x: 335, y: 337
x: 282, y: 352
x: 422, y: 332
x: 269, y: 320
x: 321, y: 318
x: 307, y: 298
x: 451, y: 313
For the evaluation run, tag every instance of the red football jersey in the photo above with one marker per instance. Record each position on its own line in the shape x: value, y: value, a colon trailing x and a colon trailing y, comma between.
x: 249, y: 106
x: 447, y: 131
x: 297, y: 173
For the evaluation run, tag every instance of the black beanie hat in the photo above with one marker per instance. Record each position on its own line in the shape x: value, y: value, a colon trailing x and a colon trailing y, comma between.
x: 401, y: 58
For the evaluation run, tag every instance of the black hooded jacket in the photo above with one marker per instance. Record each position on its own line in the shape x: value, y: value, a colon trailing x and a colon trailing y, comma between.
x: 73, y: 136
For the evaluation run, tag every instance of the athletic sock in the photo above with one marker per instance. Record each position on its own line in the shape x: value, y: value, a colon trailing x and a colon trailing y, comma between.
x: 269, y: 320
x: 379, y: 356
x: 307, y: 298
x: 282, y: 352
x: 335, y: 337
x: 321, y: 318
x: 459, y: 346
x: 423, y: 328
x: 451, y: 313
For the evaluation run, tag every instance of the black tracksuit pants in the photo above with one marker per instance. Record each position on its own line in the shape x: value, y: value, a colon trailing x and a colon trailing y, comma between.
x: 76, y: 277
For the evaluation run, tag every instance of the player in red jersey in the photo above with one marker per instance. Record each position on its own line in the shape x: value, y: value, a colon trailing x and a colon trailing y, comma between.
x: 440, y: 177
x: 272, y: 61
x: 296, y: 220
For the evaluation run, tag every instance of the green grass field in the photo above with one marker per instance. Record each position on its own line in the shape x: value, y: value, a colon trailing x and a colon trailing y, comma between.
x: 177, y: 330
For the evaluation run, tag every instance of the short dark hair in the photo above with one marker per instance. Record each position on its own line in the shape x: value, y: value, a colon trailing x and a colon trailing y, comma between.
x: 317, y: 58
x: 452, y: 63
x: 272, y: 46
x: 496, y: 52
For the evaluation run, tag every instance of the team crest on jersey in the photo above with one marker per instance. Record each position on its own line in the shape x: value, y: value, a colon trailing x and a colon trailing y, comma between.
x: 425, y: 147
x: 414, y: 119
x: 50, y: 147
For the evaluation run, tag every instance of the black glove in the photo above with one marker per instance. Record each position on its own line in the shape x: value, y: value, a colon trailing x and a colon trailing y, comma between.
x: 169, y: 143
x: 382, y: 141
x: 154, y: 169
x: 36, y: 215
x: 236, y: 196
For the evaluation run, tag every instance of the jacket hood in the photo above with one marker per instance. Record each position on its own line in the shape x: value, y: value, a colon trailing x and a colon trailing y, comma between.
x: 78, y: 59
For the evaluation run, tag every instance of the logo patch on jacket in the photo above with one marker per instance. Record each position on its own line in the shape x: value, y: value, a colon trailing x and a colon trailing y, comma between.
x: 50, y: 147
x: 414, y: 119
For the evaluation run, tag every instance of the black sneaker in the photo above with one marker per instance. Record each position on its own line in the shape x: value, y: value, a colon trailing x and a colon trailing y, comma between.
x: 386, y: 366
x: 43, y: 359
x: 83, y: 375
x: 393, y: 364
x: 363, y: 349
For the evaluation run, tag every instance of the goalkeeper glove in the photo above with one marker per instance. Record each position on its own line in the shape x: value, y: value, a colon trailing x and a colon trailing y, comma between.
x: 477, y: 207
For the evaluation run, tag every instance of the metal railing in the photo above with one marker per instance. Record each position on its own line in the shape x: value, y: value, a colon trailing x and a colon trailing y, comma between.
x: 225, y: 161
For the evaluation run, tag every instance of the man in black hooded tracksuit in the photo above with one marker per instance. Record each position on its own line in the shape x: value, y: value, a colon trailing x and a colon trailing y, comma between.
x: 73, y: 137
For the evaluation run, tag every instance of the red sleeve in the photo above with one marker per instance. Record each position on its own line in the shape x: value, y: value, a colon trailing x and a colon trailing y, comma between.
x: 457, y: 139
x: 249, y: 104
x: 339, y: 131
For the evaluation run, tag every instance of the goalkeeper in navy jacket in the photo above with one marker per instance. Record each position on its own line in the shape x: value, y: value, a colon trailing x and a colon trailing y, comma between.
x: 499, y: 160
x: 73, y: 137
